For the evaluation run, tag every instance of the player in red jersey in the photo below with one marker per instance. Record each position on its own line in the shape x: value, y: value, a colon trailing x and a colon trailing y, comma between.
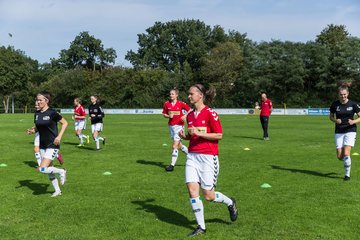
x: 173, y: 110
x: 266, y: 109
x: 80, y: 121
x: 202, y: 162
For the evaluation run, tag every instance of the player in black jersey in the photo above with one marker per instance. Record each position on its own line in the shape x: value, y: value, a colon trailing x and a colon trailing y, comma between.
x: 96, y: 115
x: 46, y: 120
x: 342, y: 114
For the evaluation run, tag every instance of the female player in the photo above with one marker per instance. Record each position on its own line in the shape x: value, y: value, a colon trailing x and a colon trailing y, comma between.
x: 202, y: 162
x: 80, y: 121
x: 46, y: 120
x: 96, y: 115
x: 266, y: 109
x: 37, y: 142
x: 173, y: 110
x: 342, y: 114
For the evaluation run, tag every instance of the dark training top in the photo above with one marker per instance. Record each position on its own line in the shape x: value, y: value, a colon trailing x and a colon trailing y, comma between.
x: 344, y: 112
x: 98, y: 111
x: 46, y: 125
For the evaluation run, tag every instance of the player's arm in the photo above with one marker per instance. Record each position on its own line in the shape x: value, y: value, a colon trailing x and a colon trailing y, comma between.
x: 64, y: 125
x: 355, y: 121
x: 184, y: 136
x: 207, y: 136
x: 332, y: 118
x: 31, y: 130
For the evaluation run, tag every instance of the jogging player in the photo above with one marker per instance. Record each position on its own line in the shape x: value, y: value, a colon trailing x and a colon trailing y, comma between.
x: 80, y: 121
x: 96, y: 115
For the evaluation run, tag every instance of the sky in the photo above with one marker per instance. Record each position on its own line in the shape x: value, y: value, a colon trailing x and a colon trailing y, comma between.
x: 42, y: 28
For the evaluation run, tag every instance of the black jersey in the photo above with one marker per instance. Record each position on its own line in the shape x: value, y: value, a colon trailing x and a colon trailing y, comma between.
x: 97, y: 111
x: 46, y: 125
x: 344, y: 112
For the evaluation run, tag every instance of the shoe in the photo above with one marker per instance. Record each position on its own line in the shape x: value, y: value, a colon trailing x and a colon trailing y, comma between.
x: 197, y: 231
x: 63, y: 177
x: 60, y: 159
x: 169, y: 168
x: 80, y: 145
x: 104, y: 141
x: 233, y: 210
x: 266, y: 138
x: 87, y: 139
x: 56, y: 194
x: 346, y: 178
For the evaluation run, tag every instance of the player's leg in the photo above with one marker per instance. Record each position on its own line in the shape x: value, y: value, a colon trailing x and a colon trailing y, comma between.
x: 266, y: 126
x: 339, y: 143
x: 209, y: 174
x: 37, y: 148
x: 262, y: 125
x: 347, y: 162
x: 175, y: 146
x: 192, y: 180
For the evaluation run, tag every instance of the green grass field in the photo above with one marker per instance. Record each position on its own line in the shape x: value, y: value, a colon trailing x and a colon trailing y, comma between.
x: 308, y: 198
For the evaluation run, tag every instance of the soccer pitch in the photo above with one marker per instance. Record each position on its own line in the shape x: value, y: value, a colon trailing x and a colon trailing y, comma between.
x: 308, y: 198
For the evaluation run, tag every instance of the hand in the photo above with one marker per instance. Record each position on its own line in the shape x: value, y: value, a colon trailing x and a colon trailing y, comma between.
x: 338, y: 121
x: 30, y: 131
x: 351, y: 122
x: 57, y: 140
x: 182, y: 134
x: 89, y: 118
x: 183, y: 118
x: 171, y: 115
x: 193, y: 131
x: 92, y: 115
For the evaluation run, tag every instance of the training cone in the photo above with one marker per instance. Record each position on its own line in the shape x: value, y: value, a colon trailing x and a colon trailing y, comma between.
x: 265, y: 185
x: 355, y: 154
x: 107, y: 173
x: 246, y: 149
x: 3, y: 165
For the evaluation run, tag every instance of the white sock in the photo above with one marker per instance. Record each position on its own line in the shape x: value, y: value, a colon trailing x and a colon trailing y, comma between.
x: 198, y: 210
x: 54, y: 182
x: 51, y: 170
x: 38, y: 158
x: 81, y: 139
x: 184, y: 149
x: 174, y: 157
x: 100, y: 138
x: 347, y: 165
x: 97, y: 143
x: 221, y: 198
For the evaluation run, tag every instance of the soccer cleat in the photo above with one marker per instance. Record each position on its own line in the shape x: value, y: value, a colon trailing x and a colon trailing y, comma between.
x: 104, y: 141
x: 63, y: 177
x: 60, y: 159
x: 266, y: 138
x: 197, y: 231
x: 233, y: 210
x: 80, y: 145
x: 169, y: 168
x: 346, y: 178
x: 56, y: 194
x: 87, y: 139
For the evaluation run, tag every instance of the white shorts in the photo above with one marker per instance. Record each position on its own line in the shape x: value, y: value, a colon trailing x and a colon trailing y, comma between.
x: 96, y: 127
x: 203, y: 169
x: 345, y: 139
x: 49, y: 153
x: 80, y: 124
x: 174, y: 132
x: 37, y: 139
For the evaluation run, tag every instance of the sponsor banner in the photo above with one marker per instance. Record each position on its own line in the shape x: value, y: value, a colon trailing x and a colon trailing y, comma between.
x: 318, y: 111
x: 118, y: 111
x: 296, y: 111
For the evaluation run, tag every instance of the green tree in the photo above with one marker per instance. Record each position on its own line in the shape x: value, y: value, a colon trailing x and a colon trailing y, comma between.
x: 16, y: 70
x: 86, y: 51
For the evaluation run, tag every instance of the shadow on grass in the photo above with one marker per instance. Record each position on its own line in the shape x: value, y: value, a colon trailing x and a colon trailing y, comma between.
x: 32, y: 164
x: 249, y: 137
x: 158, y: 164
x: 170, y: 216
x: 37, y: 188
x: 310, y: 172
x: 70, y: 143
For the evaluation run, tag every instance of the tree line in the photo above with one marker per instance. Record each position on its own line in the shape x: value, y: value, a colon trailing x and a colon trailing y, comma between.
x: 183, y: 52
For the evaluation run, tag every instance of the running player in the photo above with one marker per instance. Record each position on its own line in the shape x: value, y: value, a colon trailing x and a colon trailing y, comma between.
x: 96, y: 115
x: 173, y: 110
x: 46, y: 120
x: 342, y: 114
x: 266, y: 109
x: 202, y: 162
x: 37, y: 142
x: 80, y: 121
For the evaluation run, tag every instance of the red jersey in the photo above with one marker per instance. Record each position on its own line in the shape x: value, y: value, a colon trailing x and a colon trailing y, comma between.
x: 266, y: 108
x: 177, y: 110
x: 79, y: 111
x: 206, y: 121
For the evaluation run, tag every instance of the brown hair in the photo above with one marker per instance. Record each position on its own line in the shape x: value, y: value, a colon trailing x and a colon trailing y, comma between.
x: 46, y: 95
x: 78, y: 100
x: 344, y: 86
x: 209, y: 94
x: 176, y: 90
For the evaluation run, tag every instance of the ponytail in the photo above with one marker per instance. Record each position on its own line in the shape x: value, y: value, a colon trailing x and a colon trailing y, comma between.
x: 209, y: 94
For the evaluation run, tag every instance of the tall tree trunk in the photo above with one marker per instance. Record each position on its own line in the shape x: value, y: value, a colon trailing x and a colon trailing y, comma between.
x: 6, y: 100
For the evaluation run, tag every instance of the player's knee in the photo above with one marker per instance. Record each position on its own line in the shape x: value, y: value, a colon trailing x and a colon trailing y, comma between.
x: 43, y: 170
x: 209, y: 197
